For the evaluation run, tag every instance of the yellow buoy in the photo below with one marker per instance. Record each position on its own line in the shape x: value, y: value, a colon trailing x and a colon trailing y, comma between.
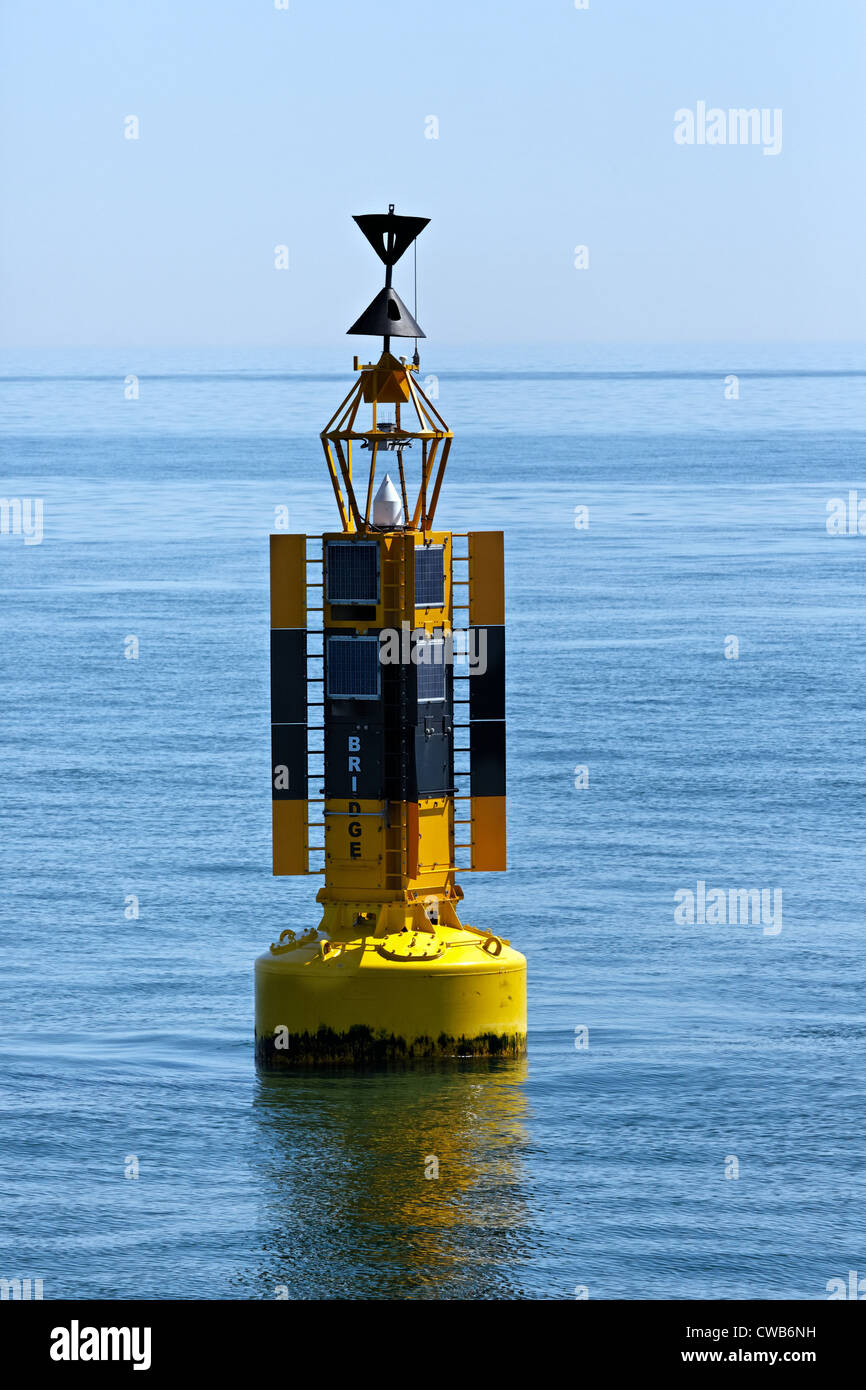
x: 398, y: 996
x: 411, y: 638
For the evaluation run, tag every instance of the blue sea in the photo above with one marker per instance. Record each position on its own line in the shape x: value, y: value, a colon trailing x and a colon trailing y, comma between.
x: 689, y: 1121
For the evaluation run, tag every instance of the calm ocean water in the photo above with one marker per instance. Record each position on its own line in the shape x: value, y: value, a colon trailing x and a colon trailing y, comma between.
x: 601, y: 1167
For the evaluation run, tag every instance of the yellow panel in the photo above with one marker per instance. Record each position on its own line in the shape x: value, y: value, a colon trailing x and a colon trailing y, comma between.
x: 288, y: 581
x: 397, y: 580
x: 486, y: 577
x: 488, y: 832
x: 290, y: 837
x: 434, y: 835
x: 429, y: 617
x: 412, y: 838
x: 389, y: 575
x: 408, y: 577
x: 355, y: 834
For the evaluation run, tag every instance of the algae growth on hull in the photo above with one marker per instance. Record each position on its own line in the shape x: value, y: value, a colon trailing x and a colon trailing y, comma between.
x: 362, y: 1044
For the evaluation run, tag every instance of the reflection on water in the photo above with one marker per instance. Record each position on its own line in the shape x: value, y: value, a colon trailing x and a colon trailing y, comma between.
x: 347, y: 1208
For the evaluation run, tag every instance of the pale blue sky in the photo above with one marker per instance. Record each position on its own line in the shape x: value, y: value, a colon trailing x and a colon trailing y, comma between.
x: 260, y: 126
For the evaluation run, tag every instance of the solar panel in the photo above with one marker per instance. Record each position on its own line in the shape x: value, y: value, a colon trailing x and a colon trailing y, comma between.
x: 353, y: 668
x: 429, y: 576
x: 431, y: 670
x: 352, y: 571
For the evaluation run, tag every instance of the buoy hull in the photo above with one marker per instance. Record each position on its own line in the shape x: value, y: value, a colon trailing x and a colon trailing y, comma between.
x: 364, y: 1001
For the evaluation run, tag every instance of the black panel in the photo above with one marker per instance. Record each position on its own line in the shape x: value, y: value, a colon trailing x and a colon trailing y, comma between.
x: 289, y: 750
x: 288, y: 675
x: 429, y: 576
x: 355, y: 771
x: 487, y: 757
x: 429, y: 689
x: 402, y: 747
x: 353, y: 613
x: 430, y: 676
x: 487, y: 690
x: 433, y: 761
x: 352, y: 572
x: 352, y: 669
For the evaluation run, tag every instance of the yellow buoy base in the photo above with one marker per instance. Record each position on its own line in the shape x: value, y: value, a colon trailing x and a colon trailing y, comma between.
x: 442, y: 992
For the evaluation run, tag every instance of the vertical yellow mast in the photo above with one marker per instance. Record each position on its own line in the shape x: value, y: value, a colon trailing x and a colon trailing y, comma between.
x: 390, y: 970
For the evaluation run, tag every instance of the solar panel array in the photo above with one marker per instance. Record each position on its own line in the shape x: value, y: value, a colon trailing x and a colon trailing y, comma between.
x: 429, y: 576
x: 431, y: 670
x: 352, y: 572
x: 353, y: 668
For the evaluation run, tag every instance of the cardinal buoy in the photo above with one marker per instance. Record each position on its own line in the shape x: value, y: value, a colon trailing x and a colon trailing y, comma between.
x: 396, y: 632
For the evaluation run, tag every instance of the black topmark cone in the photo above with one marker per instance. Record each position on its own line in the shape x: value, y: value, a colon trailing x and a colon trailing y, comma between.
x: 390, y: 235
